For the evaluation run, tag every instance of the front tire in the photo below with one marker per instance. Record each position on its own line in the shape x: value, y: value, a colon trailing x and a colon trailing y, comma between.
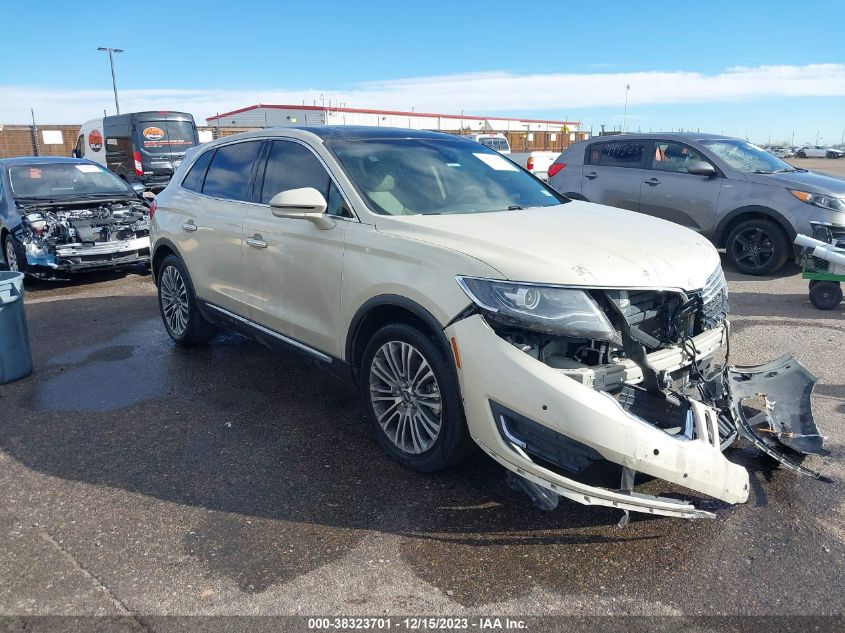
x: 13, y: 254
x: 177, y: 303
x: 412, y: 399
x: 757, y: 247
x: 801, y: 155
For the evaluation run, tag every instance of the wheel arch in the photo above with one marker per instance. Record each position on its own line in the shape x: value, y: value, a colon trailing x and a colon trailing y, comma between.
x: 751, y: 212
x: 163, y: 247
x: 382, y: 310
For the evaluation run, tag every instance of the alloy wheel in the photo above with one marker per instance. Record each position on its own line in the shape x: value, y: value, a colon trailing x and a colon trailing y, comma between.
x: 174, y: 300
x: 11, y: 256
x: 753, y: 247
x: 406, y: 397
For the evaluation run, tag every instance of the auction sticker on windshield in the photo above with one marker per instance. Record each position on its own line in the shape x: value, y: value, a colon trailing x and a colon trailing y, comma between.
x: 496, y: 162
x: 88, y: 169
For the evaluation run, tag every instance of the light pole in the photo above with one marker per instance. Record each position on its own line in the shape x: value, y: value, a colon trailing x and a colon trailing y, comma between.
x: 625, y: 115
x: 111, y: 52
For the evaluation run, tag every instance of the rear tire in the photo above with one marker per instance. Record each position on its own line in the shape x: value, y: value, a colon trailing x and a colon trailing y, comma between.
x: 826, y: 295
x: 757, y: 247
x: 177, y: 303
x: 412, y: 399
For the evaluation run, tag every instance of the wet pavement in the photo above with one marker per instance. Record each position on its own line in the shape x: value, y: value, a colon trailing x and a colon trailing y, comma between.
x: 141, y: 478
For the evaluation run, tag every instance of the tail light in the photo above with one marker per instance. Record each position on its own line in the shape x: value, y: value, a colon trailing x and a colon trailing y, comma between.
x: 153, y: 207
x: 530, y: 164
x: 556, y: 168
x: 139, y: 167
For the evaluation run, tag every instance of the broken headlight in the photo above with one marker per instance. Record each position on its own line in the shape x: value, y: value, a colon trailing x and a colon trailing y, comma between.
x: 548, y: 309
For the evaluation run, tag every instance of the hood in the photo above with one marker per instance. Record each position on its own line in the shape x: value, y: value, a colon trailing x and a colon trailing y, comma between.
x: 577, y: 243
x: 810, y: 181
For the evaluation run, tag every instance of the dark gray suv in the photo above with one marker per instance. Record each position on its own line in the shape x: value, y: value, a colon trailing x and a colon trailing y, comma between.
x: 736, y: 194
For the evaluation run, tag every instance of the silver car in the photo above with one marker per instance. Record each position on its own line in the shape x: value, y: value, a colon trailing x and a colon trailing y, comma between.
x: 736, y: 194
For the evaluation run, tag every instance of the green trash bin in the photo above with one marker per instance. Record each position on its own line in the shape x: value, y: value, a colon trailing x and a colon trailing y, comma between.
x: 15, y: 355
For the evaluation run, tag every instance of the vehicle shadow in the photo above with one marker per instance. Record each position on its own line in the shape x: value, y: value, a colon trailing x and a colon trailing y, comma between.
x: 780, y: 306
x: 278, y: 452
x: 731, y: 274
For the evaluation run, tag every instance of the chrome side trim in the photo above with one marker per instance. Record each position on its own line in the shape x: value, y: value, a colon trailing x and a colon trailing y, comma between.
x: 281, y: 337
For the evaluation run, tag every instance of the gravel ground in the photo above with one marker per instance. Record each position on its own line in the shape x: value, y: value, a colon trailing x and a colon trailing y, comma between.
x: 140, y: 479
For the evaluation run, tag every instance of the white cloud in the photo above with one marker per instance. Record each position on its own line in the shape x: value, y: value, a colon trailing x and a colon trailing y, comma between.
x: 473, y: 93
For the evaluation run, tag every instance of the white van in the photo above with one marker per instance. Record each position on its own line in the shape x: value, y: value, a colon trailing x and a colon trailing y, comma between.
x: 498, y: 142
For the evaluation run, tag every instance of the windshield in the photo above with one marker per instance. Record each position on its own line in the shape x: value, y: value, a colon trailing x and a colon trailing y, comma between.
x: 166, y: 137
x: 428, y: 176
x: 746, y: 157
x: 56, y: 180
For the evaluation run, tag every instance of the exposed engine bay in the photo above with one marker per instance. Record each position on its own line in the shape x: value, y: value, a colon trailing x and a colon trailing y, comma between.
x: 83, y: 235
x: 660, y: 368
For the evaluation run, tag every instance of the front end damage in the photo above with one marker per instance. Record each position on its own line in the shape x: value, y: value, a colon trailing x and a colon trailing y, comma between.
x: 72, y: 237
x: 647, y: 397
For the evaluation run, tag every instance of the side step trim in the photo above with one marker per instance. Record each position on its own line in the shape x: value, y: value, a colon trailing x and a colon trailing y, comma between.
x: 265, y: 330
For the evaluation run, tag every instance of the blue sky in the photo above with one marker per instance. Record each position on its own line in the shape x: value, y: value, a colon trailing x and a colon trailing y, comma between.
x: 680, y: 58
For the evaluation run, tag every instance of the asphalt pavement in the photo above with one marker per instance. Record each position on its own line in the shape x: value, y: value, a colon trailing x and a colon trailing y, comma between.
x: 138, y: 478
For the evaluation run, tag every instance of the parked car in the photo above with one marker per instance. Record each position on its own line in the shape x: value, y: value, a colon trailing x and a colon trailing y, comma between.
x: 779, y: 151
x: 536, y: 162
x: 66, y: 215
x: 732, y: 192
x: 818, y: 151
x: 470, y: 301
x: 498, y: 142
x: 142, y: 147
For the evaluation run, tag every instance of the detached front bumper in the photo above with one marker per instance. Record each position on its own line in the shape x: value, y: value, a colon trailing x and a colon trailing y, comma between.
x: 501, y: 384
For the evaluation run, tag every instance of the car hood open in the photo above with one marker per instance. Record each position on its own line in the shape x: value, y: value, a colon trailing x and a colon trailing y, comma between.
x: 577, y: 243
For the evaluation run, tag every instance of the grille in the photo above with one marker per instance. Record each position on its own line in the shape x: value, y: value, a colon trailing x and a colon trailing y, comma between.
x: 714, y: 299
x: 661, y: 318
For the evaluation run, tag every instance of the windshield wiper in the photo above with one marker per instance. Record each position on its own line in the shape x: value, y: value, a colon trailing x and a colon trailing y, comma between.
x: 762, y: 171
x: 30, y: 199
x: 515, y: 207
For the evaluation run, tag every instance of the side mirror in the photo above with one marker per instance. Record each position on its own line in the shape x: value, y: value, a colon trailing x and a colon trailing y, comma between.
x: 701, y: 168
x: 302, y: 204
x: 138, y: 188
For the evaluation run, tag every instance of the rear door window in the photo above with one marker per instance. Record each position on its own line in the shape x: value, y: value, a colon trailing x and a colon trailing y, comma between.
x: 230, y: 172
x: 165, y: 137
x: 617, y: 154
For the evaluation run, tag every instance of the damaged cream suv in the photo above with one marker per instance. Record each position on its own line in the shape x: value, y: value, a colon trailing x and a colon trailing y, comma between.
x: 472, y: 302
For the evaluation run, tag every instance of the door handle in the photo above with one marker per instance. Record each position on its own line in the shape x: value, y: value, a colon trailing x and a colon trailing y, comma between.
x: 189, y: 226
x: 652, y: 181
x: 591, y: 175
x: 256, y: 241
